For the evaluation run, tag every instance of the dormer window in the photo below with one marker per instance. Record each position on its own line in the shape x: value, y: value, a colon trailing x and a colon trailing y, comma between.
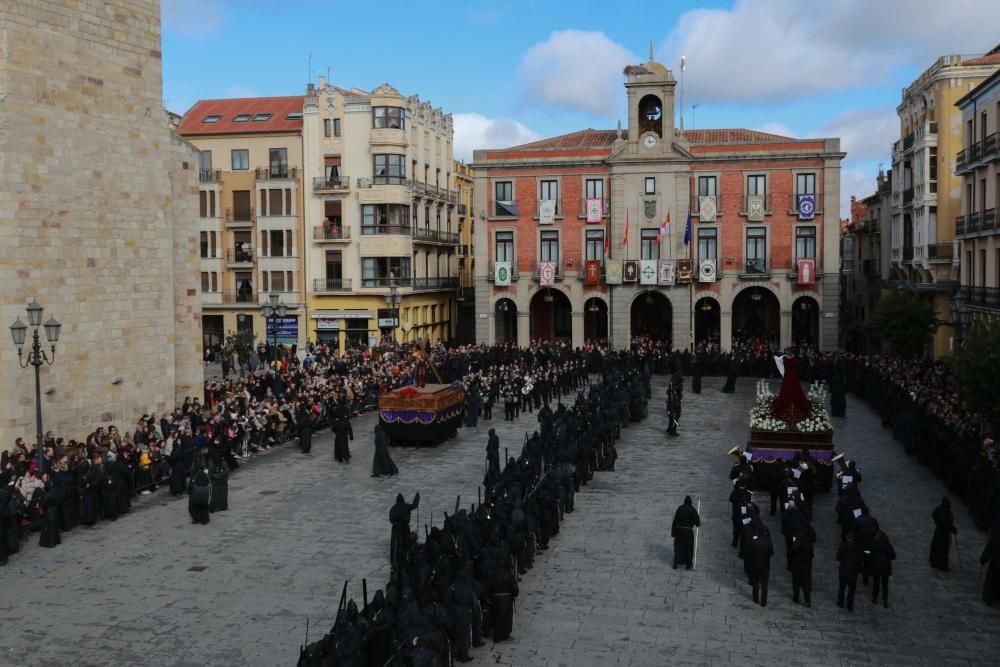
x: 261, y: 117
x: 241, y: 118
x: 214, y: 118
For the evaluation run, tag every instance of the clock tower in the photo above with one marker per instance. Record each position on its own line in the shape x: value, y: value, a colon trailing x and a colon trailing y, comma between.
x: 650, y: 88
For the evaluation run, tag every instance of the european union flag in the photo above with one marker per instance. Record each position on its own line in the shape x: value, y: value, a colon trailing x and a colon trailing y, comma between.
x: 687, y: 230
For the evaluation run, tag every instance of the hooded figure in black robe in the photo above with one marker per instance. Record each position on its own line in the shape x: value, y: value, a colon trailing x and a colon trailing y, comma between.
x: 306, y: 426
x: 89, y: 500
x: 731, y: 370
x: 399, y: 517
x: 991, y: 555
x: 49, y: 535
x: 123, y: 481
x: 218, y: 472
x: 179, y: 466
x: 492, y: 459
x: 944, y: 528
x: 682, y: 530
x: 342, y: 432
x: 382, y: 463
x: 200, y: 496
x: 107, y: 492
x: 8, y: 524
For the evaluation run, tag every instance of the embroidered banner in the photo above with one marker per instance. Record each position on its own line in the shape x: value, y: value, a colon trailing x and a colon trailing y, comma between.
x: 613, y: 272
x: 501, y: 273
x: 630, y: 274
x: 807, y: 271
x: 807, y: 207
x: 547, y: 273
x: 683, y: 271
x: 592, y: 273
x: 647, y: 272
x: 667, y: 275
x: 595, y: 210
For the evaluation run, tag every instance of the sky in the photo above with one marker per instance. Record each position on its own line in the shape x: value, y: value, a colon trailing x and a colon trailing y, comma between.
x: 511, y: 71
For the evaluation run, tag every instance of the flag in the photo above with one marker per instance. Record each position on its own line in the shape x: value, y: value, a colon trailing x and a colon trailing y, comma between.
x: 664, y: 229
x: 607, y: 242
x: 625, y: 242
x: 687, y: 230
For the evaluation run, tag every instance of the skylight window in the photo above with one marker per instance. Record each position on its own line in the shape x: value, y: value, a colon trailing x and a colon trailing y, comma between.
x: 261, y: 117
x: 214, y: 118
x: 241, y: 118
x: 295, y: 115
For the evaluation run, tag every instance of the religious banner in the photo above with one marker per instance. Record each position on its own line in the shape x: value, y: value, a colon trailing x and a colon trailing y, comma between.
x: 707, y: 210
x: 613, y: 272
x: 807, y: 271
x: 501, y: 273
x: 547, y: 273
x: 647, y: 272
x: 807, y: 207
x: 667, y: 274
x: 546, y: 212
x: 630, y: 274
x: 595, y: 210
x: 683, y: 271
x: 592, y: 272
x: 755, y: 208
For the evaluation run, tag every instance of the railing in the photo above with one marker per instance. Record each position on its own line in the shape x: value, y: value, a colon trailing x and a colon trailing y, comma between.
x: 746, y: 204
x: 331, y: 233
x: 605, y: 206
x: 433, y: 235
x: 908, y: 142
x: 276, y: 171
x: 334, y: 183
x: 987, y: 297
x: 246, y: 216
x: 463, y: 250
x: 973, y: 221
x: 370, y: 230
x: 975, y: 151
x: 239, y: 296
x: 209, y: 175
x: 387, y: 281
x: 239, y: 256
x: 445, y: 282
x: 581, y: 273
x: 718, y: 204
x: 793, y: 206
x: 940, y: 251
x: 907, y: 196
x: 505, y: 209
x: 559, y: 270
x: 331, y: 285
x: 989, y: 219
x: 557, y: 202
x: 961, y: 159
x: 959, y: 225
x: 463, y: 209
x: 908, y: 253
x: 896, y: 254
x: 991, y: 148
x: 514, y: 272
x: 756, y: 265
x: 871, y: 267
x: 847, y: 265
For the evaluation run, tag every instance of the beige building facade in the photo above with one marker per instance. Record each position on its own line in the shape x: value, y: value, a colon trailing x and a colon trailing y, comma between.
x: 464, y: 187
x: 98, y: 217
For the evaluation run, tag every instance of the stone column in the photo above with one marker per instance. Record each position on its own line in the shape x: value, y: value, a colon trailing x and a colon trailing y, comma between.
x: 726, y: 329
x: 577, y: 323
x: 523, y: 328
x: 785, y: 329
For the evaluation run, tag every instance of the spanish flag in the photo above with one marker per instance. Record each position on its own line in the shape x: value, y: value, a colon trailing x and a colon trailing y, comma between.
x: 625, y: 242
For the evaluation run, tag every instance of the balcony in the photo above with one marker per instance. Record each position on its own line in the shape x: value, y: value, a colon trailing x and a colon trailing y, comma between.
x: 697, y: 204
x: 973, y: 222
x: 505, y: 209
x: 372, y: 230
x: 960, y: 225
x: 756, y: 267
x: 907, y: 196
x: 339, y: 183
x: 984, y: 297
x: 386, y: 282
x: 605, y: 207
x: 463, y: 209
x: 991, y: 148
x: 463, y: 250
x: 210, y: 175
x: 908, y: 253
x: 239, y: 258
x: 989, y: 220
x: 871, y: 267
x: 276, y: 172
x: 559, y: 270
x: 239, y: 296
x: 940, y: 252
x: 896, y: 255
x: 793, y: 203
x: 331, y: 233
x: 746, y: 205
x: 908, y: 142
x: 240, y: 219
x: 437, y: 283
x: 324, y: 285
x: 961, y: 160
x: 514, y: 273
x: 424, y: 235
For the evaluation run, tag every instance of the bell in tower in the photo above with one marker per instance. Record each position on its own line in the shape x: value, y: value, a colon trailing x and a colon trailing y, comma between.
x: 650, y: 88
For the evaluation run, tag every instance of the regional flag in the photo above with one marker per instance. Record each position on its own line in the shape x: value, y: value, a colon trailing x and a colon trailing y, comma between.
x: 625, y: 242
x: 664, y: 229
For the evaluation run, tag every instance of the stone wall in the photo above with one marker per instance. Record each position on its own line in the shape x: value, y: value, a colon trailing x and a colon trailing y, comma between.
x: 97, y: 216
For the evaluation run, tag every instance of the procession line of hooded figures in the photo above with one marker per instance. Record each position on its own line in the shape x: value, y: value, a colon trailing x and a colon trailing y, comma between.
x: 459, y: 584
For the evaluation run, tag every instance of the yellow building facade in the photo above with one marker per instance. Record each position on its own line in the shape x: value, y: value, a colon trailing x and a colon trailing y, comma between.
x: 465, y: 329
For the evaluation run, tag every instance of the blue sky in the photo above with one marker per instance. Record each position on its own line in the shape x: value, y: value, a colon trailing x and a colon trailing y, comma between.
x: 514, y: 70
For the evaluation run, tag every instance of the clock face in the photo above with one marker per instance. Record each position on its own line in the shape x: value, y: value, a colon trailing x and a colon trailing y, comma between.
x: 649, y: 141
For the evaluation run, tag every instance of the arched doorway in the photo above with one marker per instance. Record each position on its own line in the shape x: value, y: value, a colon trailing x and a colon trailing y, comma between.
x: 805, y: 321
x: 756, y: 316
x: 506, y: 320
x: 652, y: 315
x: 550, y: 315
x: 707, y: 321
x: 595, y: 320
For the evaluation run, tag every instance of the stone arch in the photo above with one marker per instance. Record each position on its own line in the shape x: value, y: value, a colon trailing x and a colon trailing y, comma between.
x: 652, y: 314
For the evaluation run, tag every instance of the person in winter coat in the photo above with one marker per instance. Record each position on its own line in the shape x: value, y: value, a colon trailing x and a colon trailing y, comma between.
x: 882, y: 555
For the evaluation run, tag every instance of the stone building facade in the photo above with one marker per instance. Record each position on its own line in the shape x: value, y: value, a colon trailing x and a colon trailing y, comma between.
x: 98, y: 217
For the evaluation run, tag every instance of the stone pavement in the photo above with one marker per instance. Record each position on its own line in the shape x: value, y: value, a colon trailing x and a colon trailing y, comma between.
x: 152, y: 589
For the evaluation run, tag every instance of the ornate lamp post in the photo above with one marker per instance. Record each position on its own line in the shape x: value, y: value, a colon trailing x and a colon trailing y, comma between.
x: 36, y: 357
x: 392, y: 300
x: 273, y: 308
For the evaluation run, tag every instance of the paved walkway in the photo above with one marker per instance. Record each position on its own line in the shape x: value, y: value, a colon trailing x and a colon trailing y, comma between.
x: 155, y: 590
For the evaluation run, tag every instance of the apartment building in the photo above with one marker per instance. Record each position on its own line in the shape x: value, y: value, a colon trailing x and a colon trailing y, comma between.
x: 250, y: 215
x: 695, y: 236
x: 865, y: 265
x: 465, y: 326
x: 380, y: 216
x: 977, y: 229
x: 926, y: 199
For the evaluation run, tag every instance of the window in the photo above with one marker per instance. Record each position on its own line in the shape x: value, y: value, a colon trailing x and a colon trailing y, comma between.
x: 205, y: 284
x: 204, y: 248
x: 805, y: 184
x: 594, y: 188
x: 550, y: 246
x: 757, y: 184
x: 389, y: 117
x: 205, y: 161
x: 385, y: 219
x: 650, y: 186
x: 390, y: 168
x: 261, y: 117
x: 203, y: 204
x: 756, y: 250
x: 648, y: 247
x: 503, y: 199
x: 708, y: 243
x: 595, y: 245
x: 707, y: 186
x: 241, y: 118
x: 932, y: 162
x: 327, y: 127
x: 278, y: 162
x: 378, y: 271
x: 295, y: 115
x: 241, y: 159
x: 242, y: 210
x: 277, y: 281
x: 276, y: 237
x: 334, y: 265
x: 805, y: 242
x: 214, y: 118
x: 336, y: 127
x: 504, y: 246
x: 549, y: 191
x: 276, y: 202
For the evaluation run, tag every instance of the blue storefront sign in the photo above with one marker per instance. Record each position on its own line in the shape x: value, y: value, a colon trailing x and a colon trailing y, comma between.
x: 285, y: 329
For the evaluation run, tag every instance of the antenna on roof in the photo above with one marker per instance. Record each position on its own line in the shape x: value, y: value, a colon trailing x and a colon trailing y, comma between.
x: 683, y: 67
x: 328, y: 74
x: 309, y: 71
x: 650, y: 50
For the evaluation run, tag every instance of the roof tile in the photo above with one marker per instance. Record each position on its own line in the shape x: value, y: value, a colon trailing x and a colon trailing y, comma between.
x: 279, y: 107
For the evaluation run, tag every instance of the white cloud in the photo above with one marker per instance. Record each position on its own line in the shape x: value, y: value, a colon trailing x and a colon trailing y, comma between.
x: 857, y: 181
x: 776, y: 128
x: 774, y: 50
x: 474, y: 131
x: 191, y: 18
x: 865, y: 134
x: 577, y: 70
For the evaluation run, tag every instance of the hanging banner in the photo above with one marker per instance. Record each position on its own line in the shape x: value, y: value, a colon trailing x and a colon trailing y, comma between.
x: 592, y: 272
x: 807, y: 207
x: 707, y: 210
x: 595, y: 210
x: 501, y: 273
x: 546, y: 212
x: 613, y: 272
x: 547, y: 273
x: 683, y: 271
x: 647, y: 272
x: 667, y: 274
x: 807, y: 271
x: 630, y: 274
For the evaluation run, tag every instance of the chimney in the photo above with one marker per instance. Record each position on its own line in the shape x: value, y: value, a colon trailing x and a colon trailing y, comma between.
x: 322, y: 82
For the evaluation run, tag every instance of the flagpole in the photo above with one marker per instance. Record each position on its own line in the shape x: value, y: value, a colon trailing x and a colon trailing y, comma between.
x: 698, y: 272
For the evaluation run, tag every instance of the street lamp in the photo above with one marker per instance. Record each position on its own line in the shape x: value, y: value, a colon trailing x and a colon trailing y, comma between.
x: 36, y: 357
x: 392, y: 300
x: 273, y: 308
